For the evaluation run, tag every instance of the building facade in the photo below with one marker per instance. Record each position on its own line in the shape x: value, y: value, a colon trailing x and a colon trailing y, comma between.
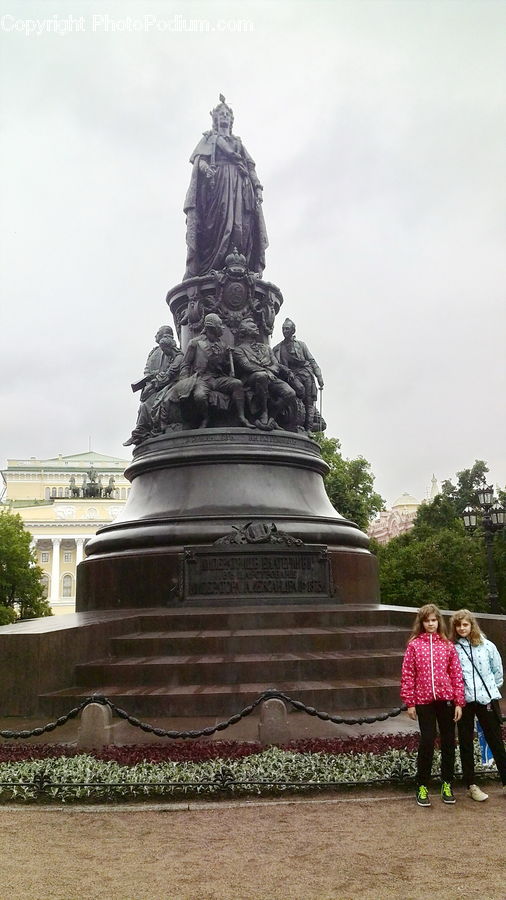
x: 63, y: 501
x: 400, y: 518
x: 392, y: 522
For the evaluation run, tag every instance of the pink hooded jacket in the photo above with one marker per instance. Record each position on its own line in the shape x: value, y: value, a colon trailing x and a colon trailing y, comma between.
x: 431, y: 671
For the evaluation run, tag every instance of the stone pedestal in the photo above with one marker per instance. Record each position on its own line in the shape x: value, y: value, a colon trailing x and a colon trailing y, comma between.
x: 273, y: 725
x: 193, y: 488
x: 94, y: 727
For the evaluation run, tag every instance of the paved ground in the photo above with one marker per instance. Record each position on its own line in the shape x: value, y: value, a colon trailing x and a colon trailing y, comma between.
x: 367, y: 845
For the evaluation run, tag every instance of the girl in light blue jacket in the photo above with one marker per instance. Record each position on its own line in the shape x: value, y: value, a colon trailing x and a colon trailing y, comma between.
x: 483, y: 676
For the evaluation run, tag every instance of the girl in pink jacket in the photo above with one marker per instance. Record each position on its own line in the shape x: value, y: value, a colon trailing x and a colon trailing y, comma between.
x: 432, y: 688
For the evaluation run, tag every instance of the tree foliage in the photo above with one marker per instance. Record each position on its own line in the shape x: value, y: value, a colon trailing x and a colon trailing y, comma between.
x: 444, y: 566
x: 469, y: 481
x: 21, y: 589
x: 438, y: 561
x: 349, y: 483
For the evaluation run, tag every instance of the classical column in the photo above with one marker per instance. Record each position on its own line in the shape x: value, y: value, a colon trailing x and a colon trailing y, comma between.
x: 79, y: 550
x: 55, y: 570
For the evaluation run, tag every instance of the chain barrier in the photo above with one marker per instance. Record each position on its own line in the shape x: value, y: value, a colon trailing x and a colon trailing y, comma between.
x: 270, y: 694
x: 35, y: 732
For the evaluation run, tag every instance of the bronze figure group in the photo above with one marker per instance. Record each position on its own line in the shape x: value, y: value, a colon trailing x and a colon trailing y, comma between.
x: 226, y: 374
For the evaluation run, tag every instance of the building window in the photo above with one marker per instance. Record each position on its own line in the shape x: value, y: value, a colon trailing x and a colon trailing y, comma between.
x: 53, y: 492
x: 60, y: 492
x: 67, y: 492
x: 67, y: 586
x: 47, y: 493
x: 44, y: 556
x: 67, y: 556
x: 45, y: 585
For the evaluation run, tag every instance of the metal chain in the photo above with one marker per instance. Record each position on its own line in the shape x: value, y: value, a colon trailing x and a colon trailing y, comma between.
x: 203, y: 732
x: 35, y: 732
x: 270, y: 694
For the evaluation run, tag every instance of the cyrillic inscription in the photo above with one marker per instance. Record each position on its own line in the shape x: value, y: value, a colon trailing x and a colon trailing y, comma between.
x: 245, y: 572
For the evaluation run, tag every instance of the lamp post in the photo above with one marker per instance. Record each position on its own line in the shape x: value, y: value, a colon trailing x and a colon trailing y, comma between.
x: 492, y: 519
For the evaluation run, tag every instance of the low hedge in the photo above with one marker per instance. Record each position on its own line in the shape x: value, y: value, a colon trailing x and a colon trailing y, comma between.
x: 224, y: 768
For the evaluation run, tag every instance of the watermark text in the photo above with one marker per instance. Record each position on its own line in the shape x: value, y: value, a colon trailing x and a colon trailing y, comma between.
x: 106, y: 24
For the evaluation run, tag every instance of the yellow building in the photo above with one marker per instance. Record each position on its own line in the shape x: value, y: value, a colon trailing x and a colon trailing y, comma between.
x: 62, y: 502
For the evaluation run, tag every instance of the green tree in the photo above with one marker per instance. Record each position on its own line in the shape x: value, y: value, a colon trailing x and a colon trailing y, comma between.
x: 21, y: 589
x: 444, y: 566
x: 438, y: 561
x: 463, y: 493
x: 438, y: 513
x: 349, y: 483
x: 500, y: 565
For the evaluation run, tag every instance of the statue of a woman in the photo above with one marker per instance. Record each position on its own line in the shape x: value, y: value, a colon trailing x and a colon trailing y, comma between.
x: 223, y: 204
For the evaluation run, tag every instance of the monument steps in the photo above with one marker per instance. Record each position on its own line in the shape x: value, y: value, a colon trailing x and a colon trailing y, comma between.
x: 190, y: 662
x: 266, y: 616
x: 237, y: 668
x: 224, y: 700
x: 272, y: 640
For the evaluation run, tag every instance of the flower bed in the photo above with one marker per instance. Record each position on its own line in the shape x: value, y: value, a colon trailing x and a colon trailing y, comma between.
x: 204, y: 768
x: 199, y: 751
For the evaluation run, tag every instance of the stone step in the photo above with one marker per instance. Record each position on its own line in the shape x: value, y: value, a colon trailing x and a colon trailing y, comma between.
x: 225, y: 700
x: 267, y: 640
x: 259, y: 617
x: 240, y: 668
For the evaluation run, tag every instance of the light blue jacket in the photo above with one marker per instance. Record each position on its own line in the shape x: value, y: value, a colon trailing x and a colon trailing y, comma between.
x: 487, y: 661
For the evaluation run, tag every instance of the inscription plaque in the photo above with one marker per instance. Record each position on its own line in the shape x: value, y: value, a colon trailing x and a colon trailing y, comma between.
x: 245, y: 572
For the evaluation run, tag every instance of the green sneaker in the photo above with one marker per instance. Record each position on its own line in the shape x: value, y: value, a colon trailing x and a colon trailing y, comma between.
x: 447, y: 793
x: 422, y: 796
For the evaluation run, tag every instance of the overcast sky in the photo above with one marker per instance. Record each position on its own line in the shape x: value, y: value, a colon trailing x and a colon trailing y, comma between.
x: 378, y: 131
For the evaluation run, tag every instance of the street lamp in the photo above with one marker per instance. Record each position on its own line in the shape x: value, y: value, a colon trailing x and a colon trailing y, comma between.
x: 492, y: 519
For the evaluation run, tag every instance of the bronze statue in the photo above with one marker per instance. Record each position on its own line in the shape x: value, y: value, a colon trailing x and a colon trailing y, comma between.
x: 227, y: 375
x: 156, y: 363
x: 266, y: 387
x: 161, y: 370
x: 74, y: 490
x: 196, y: 311
x: 223, y: 204
x: 207, y: 367
x: 295, y: 356
x: 111, y: 486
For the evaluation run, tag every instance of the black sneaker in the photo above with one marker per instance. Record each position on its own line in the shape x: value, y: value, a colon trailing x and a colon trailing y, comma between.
x: 422, y: 796
x: 447, y: 793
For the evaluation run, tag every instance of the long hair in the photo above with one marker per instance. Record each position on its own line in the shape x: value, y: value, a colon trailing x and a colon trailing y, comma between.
x: 423, y: 613
x: 475, y: 635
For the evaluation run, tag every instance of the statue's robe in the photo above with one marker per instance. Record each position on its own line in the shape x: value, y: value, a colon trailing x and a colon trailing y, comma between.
x: 222, y: 212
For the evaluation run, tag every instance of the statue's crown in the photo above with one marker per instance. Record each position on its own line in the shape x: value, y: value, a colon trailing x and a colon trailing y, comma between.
x: 217, y: 109
x: 235, y: 259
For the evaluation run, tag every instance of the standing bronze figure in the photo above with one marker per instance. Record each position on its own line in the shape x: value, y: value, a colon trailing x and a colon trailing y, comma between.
x: 223, y: 204
x: 295, y: 356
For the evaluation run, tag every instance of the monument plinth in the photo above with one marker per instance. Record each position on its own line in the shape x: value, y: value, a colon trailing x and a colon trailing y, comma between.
x: 195, y: 488
x: 223, y: 449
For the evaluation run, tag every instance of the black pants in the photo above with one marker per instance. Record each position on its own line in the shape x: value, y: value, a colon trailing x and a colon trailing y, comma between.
x: 442, y: 712
x: 492, y: 731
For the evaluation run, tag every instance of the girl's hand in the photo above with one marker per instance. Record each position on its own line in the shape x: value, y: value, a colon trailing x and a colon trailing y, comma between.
x: 458, y: 713
x: 412, y: 712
